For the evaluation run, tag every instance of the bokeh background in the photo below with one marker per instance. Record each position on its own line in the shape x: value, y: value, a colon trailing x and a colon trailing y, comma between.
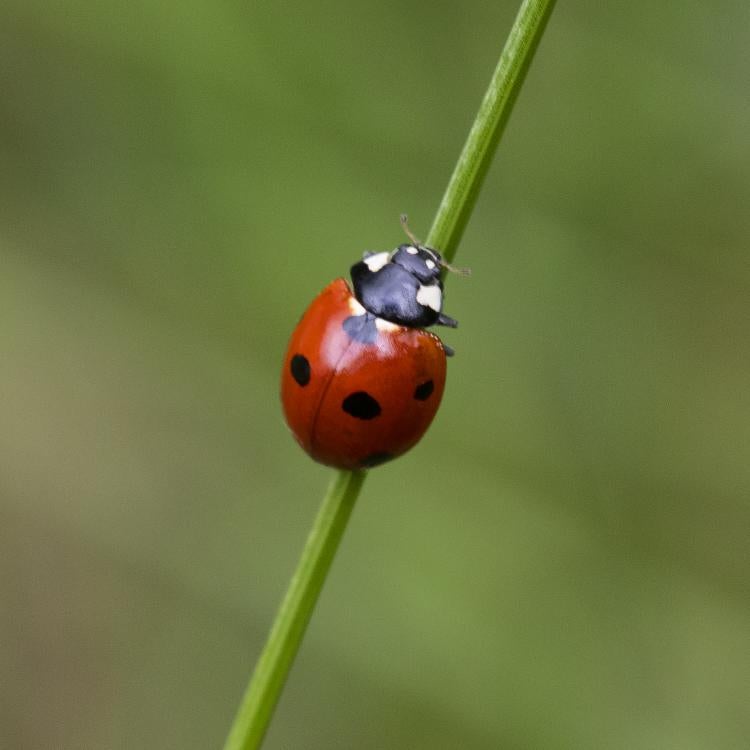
x: 561, y: 563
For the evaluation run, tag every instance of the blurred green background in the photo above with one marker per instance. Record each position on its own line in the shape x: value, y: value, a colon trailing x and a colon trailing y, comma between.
x: 561, y: 563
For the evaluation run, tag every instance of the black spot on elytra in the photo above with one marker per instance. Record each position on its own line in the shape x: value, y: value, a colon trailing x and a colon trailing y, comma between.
x: 361, y: 328
x: 361, y: 405
x: 300, y: 367
x: 375, y: 459
x: 424, y: 390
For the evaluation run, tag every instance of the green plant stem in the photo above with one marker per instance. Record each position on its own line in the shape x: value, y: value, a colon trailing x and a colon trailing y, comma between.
x: 273, y: 666
x: 263, y: 692
x: 468, y: 175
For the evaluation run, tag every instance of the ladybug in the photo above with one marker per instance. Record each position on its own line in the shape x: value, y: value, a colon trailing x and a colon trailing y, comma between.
x: 362, y: 379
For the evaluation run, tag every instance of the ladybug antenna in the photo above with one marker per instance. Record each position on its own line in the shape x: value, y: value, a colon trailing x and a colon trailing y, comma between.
x: 443, y: 263
x: 405, y: 226
x: 460, y: 271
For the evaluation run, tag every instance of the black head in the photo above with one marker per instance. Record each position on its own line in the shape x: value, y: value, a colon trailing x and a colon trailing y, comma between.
x: 421, y: 262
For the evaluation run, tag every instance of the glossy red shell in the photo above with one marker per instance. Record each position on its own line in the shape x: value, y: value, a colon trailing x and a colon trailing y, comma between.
x: 396, y: 371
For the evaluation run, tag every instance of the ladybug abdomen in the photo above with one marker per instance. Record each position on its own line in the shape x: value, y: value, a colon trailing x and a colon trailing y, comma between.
x: 358, y: 391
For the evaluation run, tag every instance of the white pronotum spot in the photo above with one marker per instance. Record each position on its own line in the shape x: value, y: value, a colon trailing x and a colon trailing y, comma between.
x: 377, y: 261
x: 355, y: 307
x: 430, y: 296
x: 430, y: 264
x: 412, y: 250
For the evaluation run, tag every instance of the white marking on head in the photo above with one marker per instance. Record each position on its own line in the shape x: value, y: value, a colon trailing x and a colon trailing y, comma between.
x: 412, y: 250
x: 430, y: 296
x: 355, y: 307
x: 385, y: 325
x: 377, y: 261
x: 430, y: 252
x: 430, y: 264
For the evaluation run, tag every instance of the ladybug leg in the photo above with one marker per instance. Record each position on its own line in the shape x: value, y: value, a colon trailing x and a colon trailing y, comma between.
x: 444, y: 320
x: 449, y: 350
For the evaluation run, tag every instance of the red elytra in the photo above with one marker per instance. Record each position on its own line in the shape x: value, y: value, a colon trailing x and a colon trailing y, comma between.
x: 353, y: 404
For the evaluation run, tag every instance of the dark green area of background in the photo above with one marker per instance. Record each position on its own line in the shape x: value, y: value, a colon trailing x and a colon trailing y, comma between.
x: 563, y: 561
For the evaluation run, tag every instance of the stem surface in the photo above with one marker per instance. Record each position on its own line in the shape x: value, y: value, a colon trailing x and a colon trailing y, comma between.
x: 489, y: 124
x: 286, y: 634
x: 276, y: 659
